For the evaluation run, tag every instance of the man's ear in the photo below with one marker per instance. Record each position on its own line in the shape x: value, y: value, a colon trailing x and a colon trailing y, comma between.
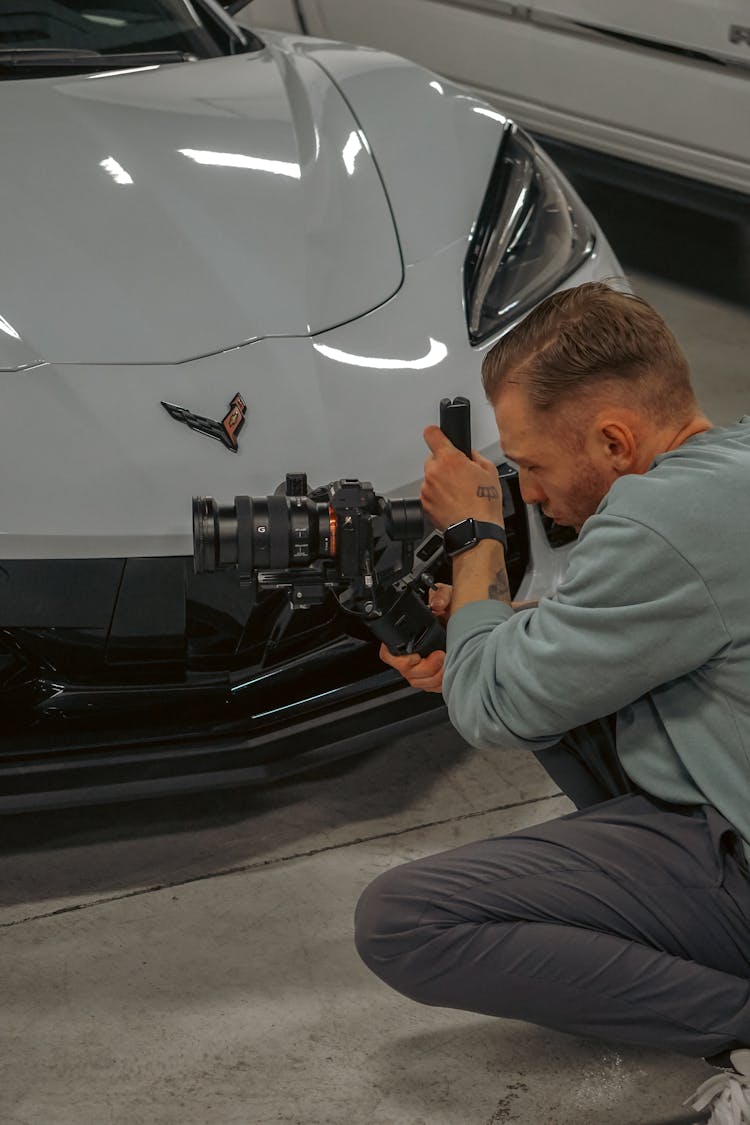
x: 617, y: 444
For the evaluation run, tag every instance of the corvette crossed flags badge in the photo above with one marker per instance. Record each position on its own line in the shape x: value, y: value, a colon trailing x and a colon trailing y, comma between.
x: 225, y: 431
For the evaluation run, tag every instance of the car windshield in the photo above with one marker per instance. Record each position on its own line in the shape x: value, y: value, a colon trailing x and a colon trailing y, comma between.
x: 29, y: 29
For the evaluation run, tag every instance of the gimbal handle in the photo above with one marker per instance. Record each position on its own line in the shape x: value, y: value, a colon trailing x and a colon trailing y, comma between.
x: 455, y: 422
x: 408, y: 616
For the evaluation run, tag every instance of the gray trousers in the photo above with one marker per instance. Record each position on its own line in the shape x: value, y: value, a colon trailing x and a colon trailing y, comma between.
x: 627, y: 920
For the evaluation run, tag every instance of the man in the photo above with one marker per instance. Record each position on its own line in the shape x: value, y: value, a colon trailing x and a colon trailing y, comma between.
x: 628, y: 919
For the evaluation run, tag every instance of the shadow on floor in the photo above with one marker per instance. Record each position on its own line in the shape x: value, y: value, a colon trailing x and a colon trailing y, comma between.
x: 99, y: 849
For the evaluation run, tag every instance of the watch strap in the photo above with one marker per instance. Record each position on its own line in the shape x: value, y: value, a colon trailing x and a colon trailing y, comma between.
x: 491, y: 531
x: 465, y: 534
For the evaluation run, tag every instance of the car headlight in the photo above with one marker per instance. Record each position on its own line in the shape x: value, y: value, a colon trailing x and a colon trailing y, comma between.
x: 532, y: 232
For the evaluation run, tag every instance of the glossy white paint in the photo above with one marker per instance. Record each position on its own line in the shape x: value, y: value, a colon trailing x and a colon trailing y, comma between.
x: 434, y: 151
x: 558, y: 67
x: 92, y: 464
x: 156, y: 216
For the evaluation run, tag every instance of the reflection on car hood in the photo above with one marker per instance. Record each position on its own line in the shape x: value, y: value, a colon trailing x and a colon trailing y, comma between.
x: 168, y: 213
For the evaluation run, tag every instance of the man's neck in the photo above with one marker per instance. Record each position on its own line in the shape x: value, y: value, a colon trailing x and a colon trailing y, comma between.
x: 697, y: 425
x: 668, y: 439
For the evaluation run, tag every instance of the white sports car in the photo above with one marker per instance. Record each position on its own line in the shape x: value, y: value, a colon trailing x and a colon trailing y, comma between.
x: 227, y: 257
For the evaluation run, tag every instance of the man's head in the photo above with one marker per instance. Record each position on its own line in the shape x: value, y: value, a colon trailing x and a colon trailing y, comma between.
x: 590, y: 386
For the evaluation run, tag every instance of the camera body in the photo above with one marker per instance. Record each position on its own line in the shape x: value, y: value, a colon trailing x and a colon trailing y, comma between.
x: 370, y: 553
x: 374, y: 555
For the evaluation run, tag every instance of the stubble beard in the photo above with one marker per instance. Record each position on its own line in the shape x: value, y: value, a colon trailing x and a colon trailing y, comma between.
x: 592, y: 485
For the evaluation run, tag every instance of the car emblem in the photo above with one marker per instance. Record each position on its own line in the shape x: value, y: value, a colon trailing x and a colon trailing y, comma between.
x: 225, y: 431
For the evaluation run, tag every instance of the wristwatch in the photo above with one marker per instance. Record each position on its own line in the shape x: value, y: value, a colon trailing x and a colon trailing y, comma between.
x: 465, y: 534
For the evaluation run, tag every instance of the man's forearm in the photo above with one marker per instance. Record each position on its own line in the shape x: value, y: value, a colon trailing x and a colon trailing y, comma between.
x: 479, y: 574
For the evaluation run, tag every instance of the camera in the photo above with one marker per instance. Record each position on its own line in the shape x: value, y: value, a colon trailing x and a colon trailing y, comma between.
x: 376, y: 556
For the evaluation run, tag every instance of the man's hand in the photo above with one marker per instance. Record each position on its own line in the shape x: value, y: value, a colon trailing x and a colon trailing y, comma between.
x: 440, y: 601
x: 425, y: 672
x: 456, y: 488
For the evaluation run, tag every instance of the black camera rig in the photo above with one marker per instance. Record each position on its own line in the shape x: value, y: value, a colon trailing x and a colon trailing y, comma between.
x: 371, y: 553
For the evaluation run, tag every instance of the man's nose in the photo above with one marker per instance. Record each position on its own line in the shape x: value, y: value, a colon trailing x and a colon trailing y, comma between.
x: 530, y: 490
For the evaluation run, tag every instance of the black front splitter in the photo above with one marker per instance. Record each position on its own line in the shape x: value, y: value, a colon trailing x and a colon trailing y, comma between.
x: 194, y: 761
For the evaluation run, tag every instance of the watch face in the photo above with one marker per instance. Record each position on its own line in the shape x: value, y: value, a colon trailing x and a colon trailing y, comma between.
x: 459, y: 537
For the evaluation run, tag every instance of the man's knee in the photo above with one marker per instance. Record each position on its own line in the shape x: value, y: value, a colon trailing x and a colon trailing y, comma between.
x: 374, y: 918
x: 386, y: 924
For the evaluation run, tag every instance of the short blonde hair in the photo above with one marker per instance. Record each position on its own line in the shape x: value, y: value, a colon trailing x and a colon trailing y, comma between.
x: 593, y: 336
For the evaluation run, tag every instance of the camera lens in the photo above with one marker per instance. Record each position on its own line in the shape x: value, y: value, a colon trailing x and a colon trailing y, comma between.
x: 258, y: 532
x: 214, y: 535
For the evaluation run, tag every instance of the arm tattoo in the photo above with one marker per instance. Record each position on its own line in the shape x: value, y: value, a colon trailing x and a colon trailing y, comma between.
x: 488, y: 491
x: 499, y: 590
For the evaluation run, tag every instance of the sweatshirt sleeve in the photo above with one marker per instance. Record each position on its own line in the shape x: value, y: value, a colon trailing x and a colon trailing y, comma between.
x: 631, y: 614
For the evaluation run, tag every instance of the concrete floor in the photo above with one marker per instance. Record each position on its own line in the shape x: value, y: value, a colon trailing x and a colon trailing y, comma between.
x: 190, y: 962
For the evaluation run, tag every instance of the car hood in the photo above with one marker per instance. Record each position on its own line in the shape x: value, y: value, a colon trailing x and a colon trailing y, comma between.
x: 172, y: 212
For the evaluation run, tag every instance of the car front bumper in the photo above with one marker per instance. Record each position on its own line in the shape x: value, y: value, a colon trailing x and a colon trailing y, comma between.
x: 113, y: 762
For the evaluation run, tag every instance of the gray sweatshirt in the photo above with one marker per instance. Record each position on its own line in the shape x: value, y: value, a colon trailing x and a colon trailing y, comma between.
x: 652, y: 621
